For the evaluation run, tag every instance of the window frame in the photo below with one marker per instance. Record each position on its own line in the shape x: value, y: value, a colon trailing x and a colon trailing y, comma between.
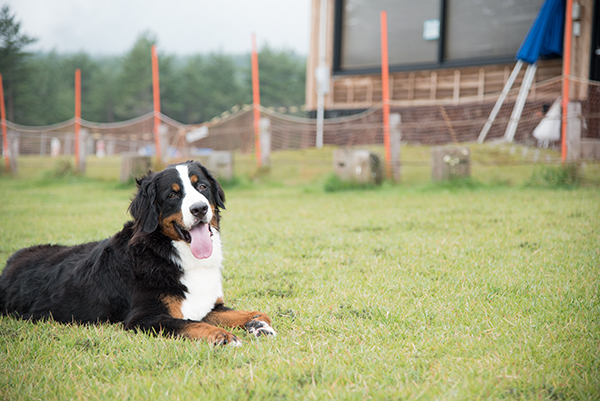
x: 439, y: 64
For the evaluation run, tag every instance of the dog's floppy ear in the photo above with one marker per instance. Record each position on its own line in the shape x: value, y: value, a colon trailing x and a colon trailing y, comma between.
x: 215, y: 188
x: 144, y: 208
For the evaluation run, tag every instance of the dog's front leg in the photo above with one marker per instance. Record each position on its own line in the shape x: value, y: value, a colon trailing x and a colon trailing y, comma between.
x: 191, y: 329
x: 256, y: 323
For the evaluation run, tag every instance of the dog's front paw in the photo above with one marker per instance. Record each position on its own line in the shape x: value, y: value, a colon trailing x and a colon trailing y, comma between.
x: 259, y: 328
x: 223, y: 337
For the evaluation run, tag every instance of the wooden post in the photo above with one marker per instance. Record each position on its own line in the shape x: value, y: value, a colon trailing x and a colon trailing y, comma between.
x: 77, y: 118
x: 156, y: 95
x: 566, y: 73
x: 256, y: 102
x: 5, y: 148
x: 385, y: 94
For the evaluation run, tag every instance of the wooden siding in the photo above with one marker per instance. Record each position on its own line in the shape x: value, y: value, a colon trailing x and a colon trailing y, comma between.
x: 449, y: 85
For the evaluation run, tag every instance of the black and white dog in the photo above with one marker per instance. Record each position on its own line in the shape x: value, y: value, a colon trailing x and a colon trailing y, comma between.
x: 161, y: 273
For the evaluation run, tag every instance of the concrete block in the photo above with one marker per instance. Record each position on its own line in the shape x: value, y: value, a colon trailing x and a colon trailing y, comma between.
x: 450, y: 162
x: 358, y: 165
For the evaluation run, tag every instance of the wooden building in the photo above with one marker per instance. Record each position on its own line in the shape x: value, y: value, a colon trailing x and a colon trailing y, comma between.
x: 440, y: 51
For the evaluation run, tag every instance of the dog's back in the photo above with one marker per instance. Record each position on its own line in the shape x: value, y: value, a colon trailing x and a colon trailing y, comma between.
x: 65, y: 282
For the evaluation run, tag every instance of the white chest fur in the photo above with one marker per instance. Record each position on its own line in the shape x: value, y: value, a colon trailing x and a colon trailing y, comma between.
x: 202, y: 277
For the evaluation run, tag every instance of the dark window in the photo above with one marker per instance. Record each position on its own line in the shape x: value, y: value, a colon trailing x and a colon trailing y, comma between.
x: 487, y: 28
x: 430, y: 33
x: 361, y: 32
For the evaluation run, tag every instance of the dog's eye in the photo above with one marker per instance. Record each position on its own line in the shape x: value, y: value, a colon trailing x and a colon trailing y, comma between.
x: 174, y: 195
x: 201, y: 187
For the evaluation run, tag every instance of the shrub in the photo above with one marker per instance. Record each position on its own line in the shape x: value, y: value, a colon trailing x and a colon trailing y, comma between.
x: 63, y: 168
x: 565, y: 176
x: 336, y: 184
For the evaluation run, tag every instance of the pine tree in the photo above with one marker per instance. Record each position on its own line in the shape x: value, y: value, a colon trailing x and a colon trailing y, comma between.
x: 12, y: 57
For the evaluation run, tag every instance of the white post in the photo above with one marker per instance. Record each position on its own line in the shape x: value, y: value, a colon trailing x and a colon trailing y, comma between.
x: 395, y: 137
x: 83, y: 150
x: 574, y: 132
x: 265, y: 141
x: 163, y: 134
x: 43, y: 144
x: 13, y: 144
x: 322, y: 73
x: 67, y: 150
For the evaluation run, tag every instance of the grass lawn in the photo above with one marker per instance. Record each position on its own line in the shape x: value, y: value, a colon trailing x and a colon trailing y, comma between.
x: 403, y: 292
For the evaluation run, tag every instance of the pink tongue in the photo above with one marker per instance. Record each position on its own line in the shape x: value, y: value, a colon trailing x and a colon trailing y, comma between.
x: 201, y: 245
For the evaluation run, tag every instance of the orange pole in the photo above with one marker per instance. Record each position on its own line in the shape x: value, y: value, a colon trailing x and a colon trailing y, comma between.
x: 4, y: 135
x: 77, y: 114
x: 156, y: 94
x: 566, y: 73
x: 256, y: 101
x: 385, y: 93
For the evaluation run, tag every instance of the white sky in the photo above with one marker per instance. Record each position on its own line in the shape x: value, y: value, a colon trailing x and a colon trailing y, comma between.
x: 110, y: 27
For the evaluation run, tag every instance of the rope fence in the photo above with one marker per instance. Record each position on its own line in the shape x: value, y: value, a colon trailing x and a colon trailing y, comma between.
x: 430, y: 123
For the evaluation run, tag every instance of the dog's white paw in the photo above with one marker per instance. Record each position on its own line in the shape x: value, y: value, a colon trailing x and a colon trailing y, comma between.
x: 235, y: 343
x: 259, y: 328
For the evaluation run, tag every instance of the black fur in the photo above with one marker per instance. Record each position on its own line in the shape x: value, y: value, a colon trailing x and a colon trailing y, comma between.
x: 124, y: 278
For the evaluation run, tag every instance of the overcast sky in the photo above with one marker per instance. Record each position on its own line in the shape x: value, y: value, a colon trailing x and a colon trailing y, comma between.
x: 110, y: 27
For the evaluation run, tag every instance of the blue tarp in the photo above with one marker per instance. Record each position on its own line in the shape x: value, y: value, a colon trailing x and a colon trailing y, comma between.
x: 545, y: 37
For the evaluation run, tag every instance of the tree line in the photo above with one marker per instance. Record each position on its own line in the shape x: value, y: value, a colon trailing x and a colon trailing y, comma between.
x: 39, y: 87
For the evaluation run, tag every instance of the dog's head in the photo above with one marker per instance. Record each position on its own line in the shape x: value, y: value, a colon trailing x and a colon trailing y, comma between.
x: 183, y: 202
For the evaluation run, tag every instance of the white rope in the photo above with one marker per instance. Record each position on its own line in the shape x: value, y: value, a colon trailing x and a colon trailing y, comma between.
x: 42, y: 128
x: 116, y: 125
x: 304, y: 120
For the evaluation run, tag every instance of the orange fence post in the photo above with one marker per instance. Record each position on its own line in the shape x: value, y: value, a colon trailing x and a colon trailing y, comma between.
x: 566, y: 73
x: 77, y: 115
x: 3, y: 120
x: 156, y: 94
x: 256, y: 101
x: 385, y: 93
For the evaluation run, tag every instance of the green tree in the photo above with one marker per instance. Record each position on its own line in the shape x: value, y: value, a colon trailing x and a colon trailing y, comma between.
x: 282, y: 78
x: 194, y: 91
x: 222, y: 89
x: 48, y: 96
x: 12, y: 58
x: 211, y: 85
x: 103, y: 90
x: 134, y: 81
x: 171, y: 87
x: 89, y: 84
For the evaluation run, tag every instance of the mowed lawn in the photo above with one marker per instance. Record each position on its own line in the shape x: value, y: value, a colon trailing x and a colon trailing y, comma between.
x: 397, y: 293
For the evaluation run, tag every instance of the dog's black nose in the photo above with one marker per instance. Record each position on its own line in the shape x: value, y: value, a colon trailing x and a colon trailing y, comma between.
x: 199, y: 209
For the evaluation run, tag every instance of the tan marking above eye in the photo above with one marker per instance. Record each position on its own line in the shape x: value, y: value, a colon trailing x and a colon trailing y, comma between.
x: 194, y: 179
x: 175, y: 187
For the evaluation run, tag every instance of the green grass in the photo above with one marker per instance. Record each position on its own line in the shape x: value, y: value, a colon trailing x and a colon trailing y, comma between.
x: 465, y: 290
x: 492, y: 164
